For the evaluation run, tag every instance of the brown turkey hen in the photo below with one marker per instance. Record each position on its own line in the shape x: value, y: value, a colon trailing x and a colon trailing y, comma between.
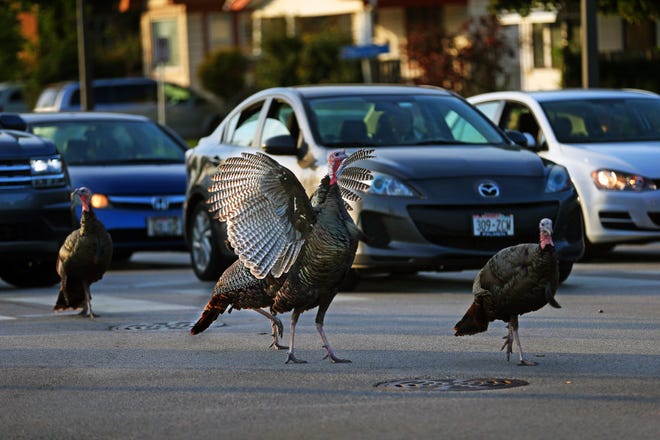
x: 518, y: 279
x: 83, y: 259
x: 294, y: 252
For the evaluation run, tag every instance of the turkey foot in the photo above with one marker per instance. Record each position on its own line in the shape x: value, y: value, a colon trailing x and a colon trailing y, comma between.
x: 278, y: 330
x: 277, y: 345
x: 276, y: 327
x: 508, y: 343
x: 334, y: 359
x: 331, y: 355
x: 523, y: 361
x: 89, y: 314
x: 291, y: 358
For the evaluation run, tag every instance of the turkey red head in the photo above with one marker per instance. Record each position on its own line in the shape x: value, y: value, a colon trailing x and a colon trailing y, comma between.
x: 335, y: 160
x: 85, y: 196
x: 545, y: 231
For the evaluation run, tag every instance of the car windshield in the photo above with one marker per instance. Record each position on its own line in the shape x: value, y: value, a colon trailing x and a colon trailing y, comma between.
x: 604, y: 120
x: 111, y: 142
x: 378, y: 120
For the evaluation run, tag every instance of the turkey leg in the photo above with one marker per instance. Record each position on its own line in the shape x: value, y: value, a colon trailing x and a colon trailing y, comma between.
x: 508, y: 341
x: 87, y: 309
x: 320, y: 315
x: 276, y: 327
x: 523, y: 361
x: 291, y: 358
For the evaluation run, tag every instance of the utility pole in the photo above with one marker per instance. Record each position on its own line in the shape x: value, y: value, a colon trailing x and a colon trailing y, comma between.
x: 589, y: 43
x: 84, y: 71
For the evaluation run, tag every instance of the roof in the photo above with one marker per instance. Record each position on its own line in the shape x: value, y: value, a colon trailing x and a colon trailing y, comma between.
x: 567, y: 94
x: 324, y: 90
x: 31, y: 118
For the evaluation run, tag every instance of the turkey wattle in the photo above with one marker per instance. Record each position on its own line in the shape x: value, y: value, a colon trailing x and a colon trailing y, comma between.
x: 294, y: 251
x: 518, y: 279
x: 83, y: 259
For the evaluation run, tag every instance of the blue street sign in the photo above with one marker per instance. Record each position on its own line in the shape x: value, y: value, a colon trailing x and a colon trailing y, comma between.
x: 363, y: 51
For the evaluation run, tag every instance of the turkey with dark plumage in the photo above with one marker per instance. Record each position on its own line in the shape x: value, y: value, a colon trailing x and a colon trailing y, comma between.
x: 294, y: 251
x: 517, y: 280
x: 83, y: 259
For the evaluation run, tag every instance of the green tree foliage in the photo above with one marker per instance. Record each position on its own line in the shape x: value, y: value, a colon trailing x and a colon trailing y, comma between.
x: 311, y: 59
x: 631, y: 10
x: 279, y: 61
x: 113, y: 41
x: 12, y: 43
x: 223, y: 73
x: 467, y: 62
x: 320, y: 60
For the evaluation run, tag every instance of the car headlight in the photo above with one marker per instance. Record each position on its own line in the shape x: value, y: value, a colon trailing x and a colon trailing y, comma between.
x: 386, y: 185
x: 46, y: 165
x: 557, y: 179
x: 100, y: 201
x: 47, y: 171
x: 620, y: 181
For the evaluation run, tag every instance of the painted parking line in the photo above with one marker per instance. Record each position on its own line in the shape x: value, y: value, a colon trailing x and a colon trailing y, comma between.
x: 103, y: 303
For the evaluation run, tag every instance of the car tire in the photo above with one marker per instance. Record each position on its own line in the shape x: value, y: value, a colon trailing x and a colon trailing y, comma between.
x: 565, y: 268
x: 34, y: 273
x: 209, y: 254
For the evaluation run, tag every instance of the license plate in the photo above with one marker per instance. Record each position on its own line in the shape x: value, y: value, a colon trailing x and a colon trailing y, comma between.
x: 164, y: 226
x: 492, y: 225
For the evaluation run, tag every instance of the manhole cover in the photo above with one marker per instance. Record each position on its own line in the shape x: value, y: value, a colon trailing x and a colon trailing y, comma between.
x: 180, y: 325
x: 431, y: 384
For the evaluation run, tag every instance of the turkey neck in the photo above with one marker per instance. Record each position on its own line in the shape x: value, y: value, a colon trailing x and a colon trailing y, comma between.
x: 331, y: 246
x: 89, y: 224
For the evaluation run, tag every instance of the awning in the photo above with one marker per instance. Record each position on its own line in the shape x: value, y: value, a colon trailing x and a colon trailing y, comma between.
x: 307, y: 8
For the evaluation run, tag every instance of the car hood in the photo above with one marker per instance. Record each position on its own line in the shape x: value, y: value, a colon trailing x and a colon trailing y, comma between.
x: 131, y: 179
x: 16, y: 144
x: 641, y: 158
x: 453, y: 161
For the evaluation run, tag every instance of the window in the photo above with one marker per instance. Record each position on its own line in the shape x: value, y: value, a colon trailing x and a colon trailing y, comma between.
x: 243, y: 126
x: 220, y: 31
x: 546, y: 40
x: 398, y: 120
x: 280, y: 120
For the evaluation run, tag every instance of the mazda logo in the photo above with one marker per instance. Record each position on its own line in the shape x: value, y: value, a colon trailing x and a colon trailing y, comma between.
x: 160, y: 203
x: 488, y: 189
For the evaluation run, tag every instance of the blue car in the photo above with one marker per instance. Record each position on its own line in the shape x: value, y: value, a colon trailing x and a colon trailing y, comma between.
x: 134, y: 167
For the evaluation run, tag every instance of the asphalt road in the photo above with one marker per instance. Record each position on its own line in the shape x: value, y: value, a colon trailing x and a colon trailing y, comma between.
x: 136, y: 373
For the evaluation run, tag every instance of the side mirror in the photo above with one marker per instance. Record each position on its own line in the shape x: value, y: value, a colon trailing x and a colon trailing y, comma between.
x: 517, y: 137
x: 282, y: 145
x: 12, y: 121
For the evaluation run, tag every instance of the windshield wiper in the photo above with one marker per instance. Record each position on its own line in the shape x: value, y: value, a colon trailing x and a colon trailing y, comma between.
x: 438, y: 142
x: 350, y: 144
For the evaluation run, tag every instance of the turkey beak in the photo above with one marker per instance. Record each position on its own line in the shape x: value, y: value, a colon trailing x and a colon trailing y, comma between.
x: 546, y: 229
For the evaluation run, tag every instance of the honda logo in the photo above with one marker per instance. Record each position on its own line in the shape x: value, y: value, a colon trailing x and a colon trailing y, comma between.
x: 488, y: 190
x: 160, y: 203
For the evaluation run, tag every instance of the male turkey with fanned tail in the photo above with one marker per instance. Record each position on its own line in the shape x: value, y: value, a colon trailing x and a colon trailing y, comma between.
x: 294, y: 251
x: 518, y: 279
x: 83, y: 259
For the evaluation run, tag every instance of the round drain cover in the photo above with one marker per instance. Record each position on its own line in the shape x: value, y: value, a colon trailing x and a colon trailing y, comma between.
x: 431, y: 384
x: 180, y: 325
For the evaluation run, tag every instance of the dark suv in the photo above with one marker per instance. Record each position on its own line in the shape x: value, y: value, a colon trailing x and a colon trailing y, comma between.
x: 35, y: 205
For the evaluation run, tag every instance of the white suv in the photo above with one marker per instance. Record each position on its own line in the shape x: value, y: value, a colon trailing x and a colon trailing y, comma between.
x: 609, y: 140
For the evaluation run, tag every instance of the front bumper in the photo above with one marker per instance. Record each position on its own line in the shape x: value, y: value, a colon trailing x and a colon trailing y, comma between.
x: 411, y: 236
x: 617, y: 217
x: 127, y: 222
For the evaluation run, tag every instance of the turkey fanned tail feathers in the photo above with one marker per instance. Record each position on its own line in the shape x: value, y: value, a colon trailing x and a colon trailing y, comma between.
x: 293, y: 251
